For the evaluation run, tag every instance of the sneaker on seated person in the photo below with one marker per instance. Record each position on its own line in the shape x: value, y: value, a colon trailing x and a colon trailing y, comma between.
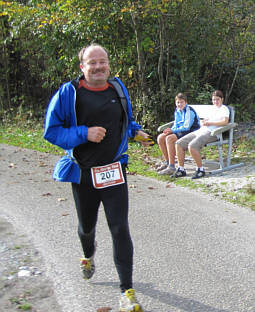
x: 164, y: 164
x: 179, y: 173
x: 198, y: 174
x: 168, y: 170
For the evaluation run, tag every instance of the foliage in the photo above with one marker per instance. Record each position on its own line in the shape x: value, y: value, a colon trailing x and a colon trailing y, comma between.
x: 157, y: 47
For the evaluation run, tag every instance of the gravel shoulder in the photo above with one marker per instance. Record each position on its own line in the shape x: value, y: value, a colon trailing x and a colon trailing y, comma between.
x: 230, y: 184
x: 23, y: 283
x: 233, y: 181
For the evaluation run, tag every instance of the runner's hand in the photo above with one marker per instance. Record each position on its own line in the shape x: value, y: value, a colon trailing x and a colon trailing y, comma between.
x: 143, y: 138
x: 96, y: 134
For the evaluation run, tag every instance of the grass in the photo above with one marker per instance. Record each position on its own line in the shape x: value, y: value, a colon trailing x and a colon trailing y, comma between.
x: 30, y: 135
x: 27, y: 137
x: 25, y: 306
x: 21, y: 303
x: 17, y: 247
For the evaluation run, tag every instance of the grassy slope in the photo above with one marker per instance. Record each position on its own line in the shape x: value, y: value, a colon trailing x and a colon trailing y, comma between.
x: 142, y: 160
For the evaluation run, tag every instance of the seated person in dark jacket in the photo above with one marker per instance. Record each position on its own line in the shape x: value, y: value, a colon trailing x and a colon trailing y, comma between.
x: 186, y: 120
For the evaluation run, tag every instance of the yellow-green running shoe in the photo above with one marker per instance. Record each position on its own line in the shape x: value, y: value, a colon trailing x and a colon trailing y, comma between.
x: 87, y: 267
x: 129, y: 303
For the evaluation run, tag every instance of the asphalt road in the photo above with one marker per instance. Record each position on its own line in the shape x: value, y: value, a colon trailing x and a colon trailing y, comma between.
x: 192, y: 252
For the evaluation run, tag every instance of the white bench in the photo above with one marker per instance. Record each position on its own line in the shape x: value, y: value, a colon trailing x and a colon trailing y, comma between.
x: 224, y: 136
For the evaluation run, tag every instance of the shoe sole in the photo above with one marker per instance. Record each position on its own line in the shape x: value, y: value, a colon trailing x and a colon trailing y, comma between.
x: 166, y: 173
x: 136, y: 308
x: 86, y: 277
x: 178, y: 176
x: 198, y: 177
x: 160, y: 169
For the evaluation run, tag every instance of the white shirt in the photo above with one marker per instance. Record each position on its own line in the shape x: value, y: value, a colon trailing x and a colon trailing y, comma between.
x: 217, y: 113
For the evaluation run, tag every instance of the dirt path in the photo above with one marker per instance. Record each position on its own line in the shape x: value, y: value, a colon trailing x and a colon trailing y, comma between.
x: 23, y: 284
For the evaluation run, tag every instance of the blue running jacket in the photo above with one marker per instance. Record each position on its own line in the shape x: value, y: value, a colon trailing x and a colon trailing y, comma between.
x: 61, y: 129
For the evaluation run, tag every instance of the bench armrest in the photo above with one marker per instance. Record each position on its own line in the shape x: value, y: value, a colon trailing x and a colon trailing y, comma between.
x: 165, y: 126
x: 220, y: 130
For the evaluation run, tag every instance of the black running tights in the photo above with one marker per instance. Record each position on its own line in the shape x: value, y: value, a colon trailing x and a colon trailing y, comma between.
x: 115, y: 201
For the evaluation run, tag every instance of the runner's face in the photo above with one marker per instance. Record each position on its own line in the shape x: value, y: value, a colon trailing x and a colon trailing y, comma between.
x: 217, y: 101
x: 95, y: 67
x: 180, y: 104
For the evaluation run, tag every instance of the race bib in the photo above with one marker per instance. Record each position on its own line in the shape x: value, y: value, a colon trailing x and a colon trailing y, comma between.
x: 108, y: 175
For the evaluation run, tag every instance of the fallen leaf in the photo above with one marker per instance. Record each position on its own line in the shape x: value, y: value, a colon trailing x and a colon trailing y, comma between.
x: 131, y: 173
x: 132, y: 186
x: 42, y: 164
x: 47, y: 194
x: 169, y: 185
x: 104, y: 309
x: 61, y: 199
x: 65, y: 214
x: 151, y: 188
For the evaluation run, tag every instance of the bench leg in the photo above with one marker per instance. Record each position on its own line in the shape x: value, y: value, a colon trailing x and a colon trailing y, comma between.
x: 226, y: 168
x: 221, y: 161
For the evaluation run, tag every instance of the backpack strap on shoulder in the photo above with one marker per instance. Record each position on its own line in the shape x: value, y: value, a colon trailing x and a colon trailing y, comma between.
x: 120, y: 92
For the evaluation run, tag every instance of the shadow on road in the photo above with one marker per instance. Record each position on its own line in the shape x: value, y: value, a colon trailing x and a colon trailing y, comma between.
x: 172, y: 300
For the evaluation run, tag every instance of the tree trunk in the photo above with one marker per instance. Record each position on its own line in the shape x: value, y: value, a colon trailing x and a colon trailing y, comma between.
x: 5, y: 88
x: 140, y: 55
x: 161, y: 55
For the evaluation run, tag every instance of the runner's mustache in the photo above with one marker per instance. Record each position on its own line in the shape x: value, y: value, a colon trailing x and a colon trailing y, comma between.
x: 98, y: 71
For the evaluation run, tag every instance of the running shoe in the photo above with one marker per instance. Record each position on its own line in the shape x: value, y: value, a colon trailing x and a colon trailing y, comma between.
x: 87, y: 266
x: 167, y: 171
x: 198, y: 174
x: 179, y: 173
x: 129, y: 303
x: 162, y: 166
